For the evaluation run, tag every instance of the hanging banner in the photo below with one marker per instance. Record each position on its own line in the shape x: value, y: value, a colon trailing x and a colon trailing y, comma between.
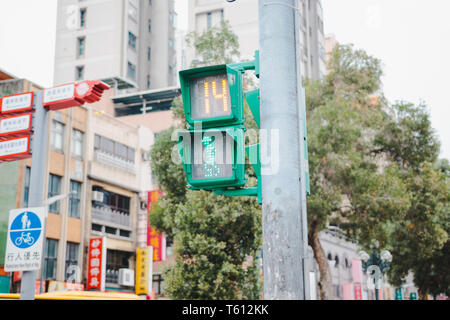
x: 96, y: 264
x: 144, y: 271
x: 155, y: 238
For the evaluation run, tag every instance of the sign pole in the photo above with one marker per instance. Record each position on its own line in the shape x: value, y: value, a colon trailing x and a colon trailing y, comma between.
x: 284, y: 249
x: 37, y: 177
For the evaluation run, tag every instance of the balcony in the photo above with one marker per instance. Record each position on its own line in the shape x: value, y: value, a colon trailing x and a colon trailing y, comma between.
x: 114, y: 162
x: 105, y: 214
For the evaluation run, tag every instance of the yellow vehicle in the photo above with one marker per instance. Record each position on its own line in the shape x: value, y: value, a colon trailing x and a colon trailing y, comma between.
x: 75, y: 295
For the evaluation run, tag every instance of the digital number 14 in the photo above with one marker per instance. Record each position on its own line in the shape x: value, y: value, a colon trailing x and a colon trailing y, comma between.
x: 222, y: 96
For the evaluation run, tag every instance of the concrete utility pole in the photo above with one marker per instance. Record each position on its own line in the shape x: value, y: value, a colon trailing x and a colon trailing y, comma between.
x: 37, y: 177
x: 283, y: 194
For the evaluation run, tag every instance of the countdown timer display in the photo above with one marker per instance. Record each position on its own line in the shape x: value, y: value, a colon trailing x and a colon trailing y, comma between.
x: 212, y: 156
x: 210, y: 97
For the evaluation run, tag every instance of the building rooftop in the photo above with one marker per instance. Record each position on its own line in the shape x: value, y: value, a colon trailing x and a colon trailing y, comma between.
x: 145, y: 101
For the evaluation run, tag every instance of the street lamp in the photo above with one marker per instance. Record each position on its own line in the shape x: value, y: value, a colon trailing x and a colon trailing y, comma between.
x: 376, y: 265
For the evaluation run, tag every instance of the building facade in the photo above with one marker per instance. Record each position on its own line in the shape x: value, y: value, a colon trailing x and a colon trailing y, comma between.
x: 243, y: 18
x: 131, y: 47
x: 104, y: 161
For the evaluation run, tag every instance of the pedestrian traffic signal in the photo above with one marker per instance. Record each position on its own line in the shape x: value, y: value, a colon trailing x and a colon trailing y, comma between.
x: 212, y: 96
x: 213, y: 150
x: 213, y: 158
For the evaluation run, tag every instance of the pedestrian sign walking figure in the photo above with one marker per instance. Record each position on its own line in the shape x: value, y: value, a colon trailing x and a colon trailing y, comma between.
x: 25, y: 229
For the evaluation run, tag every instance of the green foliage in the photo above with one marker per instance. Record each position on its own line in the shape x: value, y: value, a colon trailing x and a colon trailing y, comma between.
x: 354, y: 75
x: 217, y: 45
x: 408, y: 137
x: 419, y: 243
x: 215, y: 237
x: 170, y: 176
x: 351, y: 186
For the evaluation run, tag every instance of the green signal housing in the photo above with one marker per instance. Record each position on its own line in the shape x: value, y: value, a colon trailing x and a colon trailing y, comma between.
x: 212, y: 96
x: 213, y: 158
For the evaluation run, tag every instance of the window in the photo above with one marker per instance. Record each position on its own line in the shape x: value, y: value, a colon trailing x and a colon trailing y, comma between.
x: 120, y: 150
x: 115, y: 260
x: 113, y: 148
x: 149, y: 53
x: 148, y: 82
x: 347, y: 264
x: 77, y: 143
x: 117, y: 202
x: 336, y: 259
x: 26, y: 187
x: 96, y: 227
x: 75, y: 199
x: 71, y: 260
x: 172, y: 18
x: 130, y: 155
x: 125, y: 233
x: 50, y: 258
x: 110, y: 230
x: 157, y: 283
x: 131, y: 70
x: 57, y: 136
x: 131, y: 40
x: 81, y: 46
x: 54, y: 189
x: 83, y: 17
x: 222, y: 16
x: 79, y: 73
x: 149, y: 25
x: 208, y: 20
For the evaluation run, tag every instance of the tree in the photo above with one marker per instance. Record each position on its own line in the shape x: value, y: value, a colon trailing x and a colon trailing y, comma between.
x: 216, y: 238
x: 351, y: 186
x: 217, y: 45
x: 420, y: 242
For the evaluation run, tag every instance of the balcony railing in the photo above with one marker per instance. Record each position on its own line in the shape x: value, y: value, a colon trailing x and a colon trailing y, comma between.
x: 115, y: 162
x: 108, y: 215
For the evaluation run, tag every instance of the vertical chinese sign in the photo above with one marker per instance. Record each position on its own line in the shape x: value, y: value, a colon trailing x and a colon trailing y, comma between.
x: 96, y: 264
x: 144, y: 271
x: 155, y: 238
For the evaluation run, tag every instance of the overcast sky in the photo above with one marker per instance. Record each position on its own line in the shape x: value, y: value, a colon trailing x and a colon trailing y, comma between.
x: 411, y: 37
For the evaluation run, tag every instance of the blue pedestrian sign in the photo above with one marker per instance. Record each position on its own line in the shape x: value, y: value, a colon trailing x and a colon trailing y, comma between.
x: 25, y: 239
x: 25, y: 229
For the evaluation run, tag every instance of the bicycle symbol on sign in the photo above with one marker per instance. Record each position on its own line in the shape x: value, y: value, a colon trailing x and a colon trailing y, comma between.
x: 25, y: 238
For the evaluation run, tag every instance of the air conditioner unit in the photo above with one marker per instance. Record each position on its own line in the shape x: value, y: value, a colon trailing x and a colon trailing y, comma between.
x: 126, y: 277
x: 97, y: 196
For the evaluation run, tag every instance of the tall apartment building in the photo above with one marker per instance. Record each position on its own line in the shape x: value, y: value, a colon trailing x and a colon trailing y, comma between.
x: 243, y: 18
x: 129, y: 44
